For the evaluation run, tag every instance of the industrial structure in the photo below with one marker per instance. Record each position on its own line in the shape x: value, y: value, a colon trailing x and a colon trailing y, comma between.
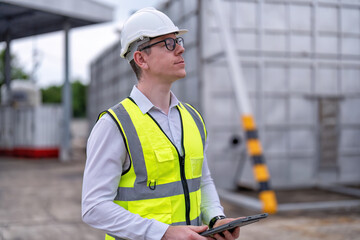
x: 24, y: 18
x: 300, y: 62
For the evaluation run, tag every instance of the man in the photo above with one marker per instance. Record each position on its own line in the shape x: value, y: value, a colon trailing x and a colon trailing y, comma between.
x: 146, y: 174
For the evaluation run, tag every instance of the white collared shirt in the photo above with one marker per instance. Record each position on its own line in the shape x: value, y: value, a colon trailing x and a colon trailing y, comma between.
x: 104, y: 166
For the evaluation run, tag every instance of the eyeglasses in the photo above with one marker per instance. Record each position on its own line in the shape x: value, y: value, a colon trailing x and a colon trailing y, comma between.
x: 170, y: 43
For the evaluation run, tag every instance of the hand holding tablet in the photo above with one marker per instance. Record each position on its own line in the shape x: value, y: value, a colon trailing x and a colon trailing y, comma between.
x: 233, y: 224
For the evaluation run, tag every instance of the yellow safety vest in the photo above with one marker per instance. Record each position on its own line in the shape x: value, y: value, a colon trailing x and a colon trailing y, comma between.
x: 160, y: 184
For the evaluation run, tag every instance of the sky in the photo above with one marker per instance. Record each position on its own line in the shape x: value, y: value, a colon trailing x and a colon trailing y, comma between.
x: 86, y: 43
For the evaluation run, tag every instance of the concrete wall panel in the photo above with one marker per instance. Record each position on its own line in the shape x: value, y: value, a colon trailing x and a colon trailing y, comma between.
x: 293, y: 54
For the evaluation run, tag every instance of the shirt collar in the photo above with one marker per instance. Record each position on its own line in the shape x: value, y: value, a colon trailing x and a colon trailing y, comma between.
x: 145, y: 104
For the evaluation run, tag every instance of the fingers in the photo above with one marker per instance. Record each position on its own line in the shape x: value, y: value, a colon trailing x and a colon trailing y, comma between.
x: 198, y: 229
x: 218, y: 237
x: 222, y: 236
x: 236, y: 232
x: 226, y: 235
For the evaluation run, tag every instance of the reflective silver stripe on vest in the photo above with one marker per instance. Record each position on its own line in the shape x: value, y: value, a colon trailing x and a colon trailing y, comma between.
x: 195, y: 222
x: 139, y: 192
x: 198, y: 122
x: 133, y: 143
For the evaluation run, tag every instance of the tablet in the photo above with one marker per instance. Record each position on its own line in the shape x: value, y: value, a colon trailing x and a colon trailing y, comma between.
x: 236, y: 223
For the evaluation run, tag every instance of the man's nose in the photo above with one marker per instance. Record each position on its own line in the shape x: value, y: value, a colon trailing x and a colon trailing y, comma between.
x: 179, y: 49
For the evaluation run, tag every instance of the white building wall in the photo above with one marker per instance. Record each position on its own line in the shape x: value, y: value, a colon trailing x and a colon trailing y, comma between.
x: 293, y: 54
x: 298, y: 57
x: 111, y: 81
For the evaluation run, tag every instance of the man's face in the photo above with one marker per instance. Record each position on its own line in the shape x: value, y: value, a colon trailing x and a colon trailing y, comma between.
x: 164, y: 64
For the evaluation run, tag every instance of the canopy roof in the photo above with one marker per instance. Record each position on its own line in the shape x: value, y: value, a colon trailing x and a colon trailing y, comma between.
x: 31, y: 17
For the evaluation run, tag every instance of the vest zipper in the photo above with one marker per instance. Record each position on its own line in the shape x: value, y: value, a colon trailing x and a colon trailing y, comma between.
x: 182, y: 168
x: 186, y: 189
x: 182, y: 174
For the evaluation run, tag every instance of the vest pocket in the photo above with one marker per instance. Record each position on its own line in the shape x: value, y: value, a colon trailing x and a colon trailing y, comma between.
x: 165, y: 165
x: 164, y: 154
x: 196, y: 166
x: 159, y: 209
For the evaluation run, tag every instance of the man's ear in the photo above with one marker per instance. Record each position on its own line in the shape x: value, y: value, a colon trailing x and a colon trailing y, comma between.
x: 140, y: 60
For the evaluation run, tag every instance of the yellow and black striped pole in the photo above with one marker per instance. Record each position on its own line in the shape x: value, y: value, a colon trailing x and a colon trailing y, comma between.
x: 261, y: 173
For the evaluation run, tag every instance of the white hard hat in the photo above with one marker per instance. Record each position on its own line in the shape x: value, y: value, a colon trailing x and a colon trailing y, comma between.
x: 143, y: 25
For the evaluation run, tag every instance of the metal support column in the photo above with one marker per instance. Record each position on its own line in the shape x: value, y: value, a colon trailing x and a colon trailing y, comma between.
x: 8, y: 68
x: 65, y: 153
x: 254, y: 149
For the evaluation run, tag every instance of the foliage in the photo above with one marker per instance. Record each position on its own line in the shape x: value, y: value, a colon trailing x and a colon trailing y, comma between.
x: 17, y: 71
x: 79, y: 96
x: 53, y: 94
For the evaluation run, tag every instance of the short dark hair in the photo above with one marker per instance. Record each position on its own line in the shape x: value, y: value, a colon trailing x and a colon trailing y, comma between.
x: 137, y: 70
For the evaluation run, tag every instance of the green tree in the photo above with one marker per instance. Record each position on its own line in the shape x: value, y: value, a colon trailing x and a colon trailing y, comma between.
x: 53, y: 94
x: 79, y: 96
x: 17, y: 72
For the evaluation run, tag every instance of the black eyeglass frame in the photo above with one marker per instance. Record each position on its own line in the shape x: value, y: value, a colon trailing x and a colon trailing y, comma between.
x: 178, y: 40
